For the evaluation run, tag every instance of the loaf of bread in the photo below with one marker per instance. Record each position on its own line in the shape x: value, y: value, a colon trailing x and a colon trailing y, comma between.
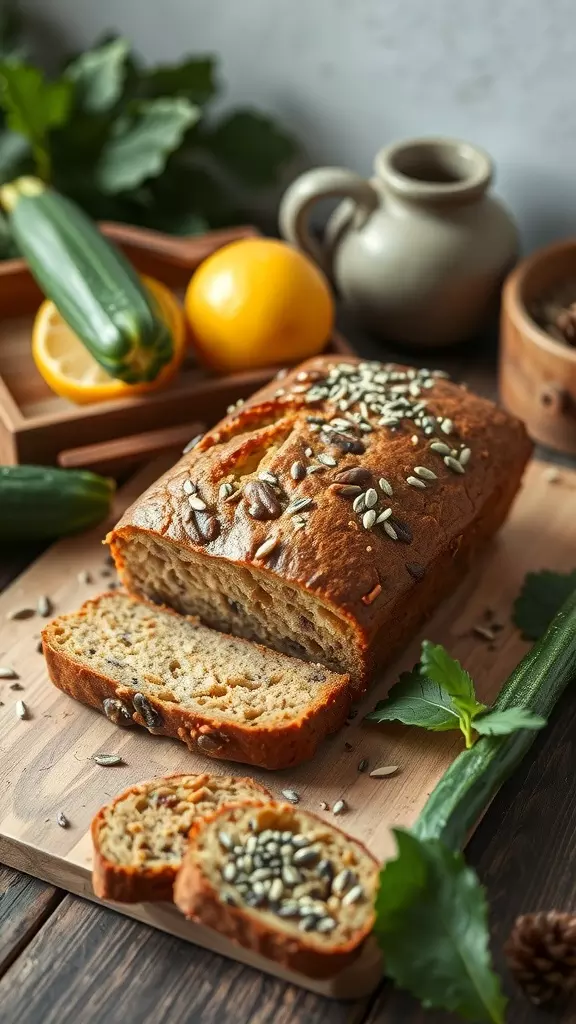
x: 140, y: 837
x: 281, y: 882
x: 329, y: 515
x: 223, y: 696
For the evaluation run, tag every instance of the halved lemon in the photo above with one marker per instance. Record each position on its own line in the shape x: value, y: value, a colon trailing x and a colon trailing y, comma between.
x: 70, y: 370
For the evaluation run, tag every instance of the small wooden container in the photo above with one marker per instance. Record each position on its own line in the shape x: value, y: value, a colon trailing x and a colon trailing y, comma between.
x: 37, y: 426
x: 537, y: 375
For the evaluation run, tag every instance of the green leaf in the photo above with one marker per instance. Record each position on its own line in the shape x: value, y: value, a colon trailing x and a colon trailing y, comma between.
x: 15, y: 156
x: 417, y: 700
x: 542, y: 595
x: 193, y: 78
x: 500, y: 723
x: 34, y: 106
x: 436, y: 663
x: 144, y: 142
x: 99, y: 75
x: 251, y: 146
x: 432, y: 925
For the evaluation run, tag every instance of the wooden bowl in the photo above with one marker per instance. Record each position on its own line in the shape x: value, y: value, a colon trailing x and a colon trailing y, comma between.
x: 38, y: 426
x: 537, y: 375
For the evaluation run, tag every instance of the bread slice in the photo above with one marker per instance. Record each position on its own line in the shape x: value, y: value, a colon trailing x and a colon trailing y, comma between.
x: 140, y: 837
x: 281, y: 882
x: 224, y: 697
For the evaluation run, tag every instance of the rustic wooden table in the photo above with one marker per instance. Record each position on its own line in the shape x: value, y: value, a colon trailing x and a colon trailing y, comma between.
x: 66, y: 961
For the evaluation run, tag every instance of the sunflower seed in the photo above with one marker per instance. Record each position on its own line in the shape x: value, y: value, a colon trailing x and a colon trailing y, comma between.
x: 229, y: 872
x: 453, y: 464
x: 297, y: 471
x: 276, y: 890
x: 264, y: 503
x: 390, y: 531
x: 20, y: 613
x: 21, y: 709
x: 288, y: 909
x: 6, y: 672
x: 326, y: 460
x: 359, y: 504
x: 225, y: 490
x: 299, y: 841
x: 298, y: 505
x: 260, y: 875
x: 370, y: 498
x: 368, y: 519
x: 325, y: 925
x: 62, y: 820
x: 152, y: 718
x: 353, y: 895
x: 385, y: 486
x: 384, y: 515
x: 116, y: 711
x: 464, y: 457
x: 379, y: 773
x: 315, y: 469
x: 188, y: 487
x: 425, y: 473
x: 108, y: 760
x: 44, y: 606
x: 192, y: 444
x: 307, y: 855
x: 415, y: 482
x: 345, y: 490
x: 267, y: 547
x: 290, y: 875
x: 356, y: 475
x: 307, y: 924
x: 291, y: 796
x: 339, y: 807
x: 446, y: 426
x: 363, y: 764
x: 341, y: 882
x: 196, y: 503
x: 440, y: 447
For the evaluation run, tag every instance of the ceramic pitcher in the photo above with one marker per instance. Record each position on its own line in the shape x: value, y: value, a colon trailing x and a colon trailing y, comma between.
x: 418, y: 253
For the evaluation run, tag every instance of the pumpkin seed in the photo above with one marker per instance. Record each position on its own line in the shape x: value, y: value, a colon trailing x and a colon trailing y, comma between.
x: 380, y: 773
x: 108, y: 760
x: 44, y: 606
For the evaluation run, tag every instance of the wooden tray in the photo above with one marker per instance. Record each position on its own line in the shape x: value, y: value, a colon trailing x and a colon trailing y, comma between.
x: 38, y: 426
x: 45, y: 761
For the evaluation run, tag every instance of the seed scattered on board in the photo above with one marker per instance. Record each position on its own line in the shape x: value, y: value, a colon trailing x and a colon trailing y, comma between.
x: 552, y: 475
x: 340, y: 807
x: 291, y: 796
x: 108, y: 760
x: 380, y: 773
x: 84, y: 577
x: 363, y: 764
x: 323, y: 805
x: 62, y: 820
x: 16, y: 686
x: 21, y: 710
x: 44, y: 606
x: 7, y: 672
x: 16, y: 614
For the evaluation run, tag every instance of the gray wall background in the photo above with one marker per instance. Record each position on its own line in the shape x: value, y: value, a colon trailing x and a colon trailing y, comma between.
x: 350, y: 75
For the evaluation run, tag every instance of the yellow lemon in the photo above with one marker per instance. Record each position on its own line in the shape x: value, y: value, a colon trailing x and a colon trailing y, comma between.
x: 258, y: 302
x: 68, y: 368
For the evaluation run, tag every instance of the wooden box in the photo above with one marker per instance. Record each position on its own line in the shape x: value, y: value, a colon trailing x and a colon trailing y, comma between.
x: 37, y: 426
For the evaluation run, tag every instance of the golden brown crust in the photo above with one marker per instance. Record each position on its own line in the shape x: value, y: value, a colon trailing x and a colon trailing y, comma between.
x: 373, y: 583
x: 283, y: 746
x: 129, y: 883
x: 198, y: 900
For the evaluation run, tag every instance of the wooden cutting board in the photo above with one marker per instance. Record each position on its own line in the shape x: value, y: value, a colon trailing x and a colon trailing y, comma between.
x: 45, y: 760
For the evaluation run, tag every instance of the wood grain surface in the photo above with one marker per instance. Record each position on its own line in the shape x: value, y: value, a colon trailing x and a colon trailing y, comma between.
x: 46, y: 760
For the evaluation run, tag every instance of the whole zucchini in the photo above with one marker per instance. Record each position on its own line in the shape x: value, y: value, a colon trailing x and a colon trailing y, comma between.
x: 93, y: 286
x: 467, y: 787
x: 39, y: 502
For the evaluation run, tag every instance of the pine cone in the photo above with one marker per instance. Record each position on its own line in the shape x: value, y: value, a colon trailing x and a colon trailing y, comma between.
x: 541, y: 954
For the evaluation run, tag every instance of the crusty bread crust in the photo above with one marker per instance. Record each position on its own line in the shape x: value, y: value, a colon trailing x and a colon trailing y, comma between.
x: 128, y: 883
x: 380, y: 590
x: 283, y: 746
x: 198, y: 900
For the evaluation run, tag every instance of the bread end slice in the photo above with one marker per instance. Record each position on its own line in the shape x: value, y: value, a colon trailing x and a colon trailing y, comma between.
x: 308, y: 907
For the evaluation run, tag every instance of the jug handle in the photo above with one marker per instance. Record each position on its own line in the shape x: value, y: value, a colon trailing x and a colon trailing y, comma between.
x: 321, y: 183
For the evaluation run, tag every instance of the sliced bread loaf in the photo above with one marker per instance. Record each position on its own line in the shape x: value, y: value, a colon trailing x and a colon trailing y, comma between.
x: 140, y: 837
x: 224, y: 697
x: 282, y: 882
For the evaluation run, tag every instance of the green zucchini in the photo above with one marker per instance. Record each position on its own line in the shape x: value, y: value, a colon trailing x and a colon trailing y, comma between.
x: 468, y: 786
x: 39, y: 502
x: 93, y: 286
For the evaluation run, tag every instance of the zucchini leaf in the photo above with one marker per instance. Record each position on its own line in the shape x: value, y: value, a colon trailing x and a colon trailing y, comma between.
x: 33, y: 106
x: 542, y: 595
x: 432, y: 925
x: 251, y: 146
x: 417, y: 700
x: 436, y: 663
x: 99, y: 76
x: 500, y: 723
x: 142, y: 143
x: 194, y: 78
